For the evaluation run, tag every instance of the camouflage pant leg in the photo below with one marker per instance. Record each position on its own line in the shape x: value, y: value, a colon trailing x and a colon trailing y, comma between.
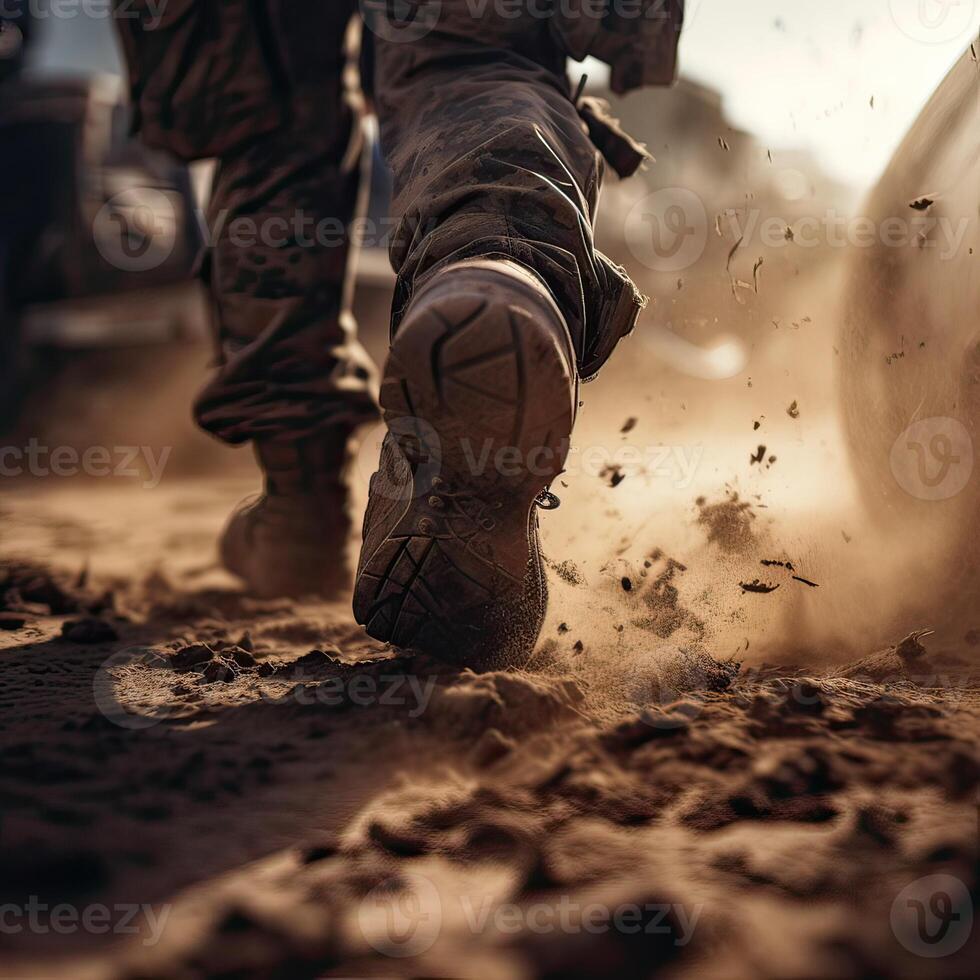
x: 289, y: 360
x: 258, y: 84
x: 491, y: 157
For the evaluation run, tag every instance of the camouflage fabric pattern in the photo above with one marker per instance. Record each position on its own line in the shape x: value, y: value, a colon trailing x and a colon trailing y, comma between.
x: 490, y: 156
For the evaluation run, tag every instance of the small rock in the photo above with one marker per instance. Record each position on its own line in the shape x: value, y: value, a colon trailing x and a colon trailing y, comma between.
x: 240, y: 656
x: 219, y: 670
x: 89, y: 631
x: 192, y: 656
x: 316, y: 659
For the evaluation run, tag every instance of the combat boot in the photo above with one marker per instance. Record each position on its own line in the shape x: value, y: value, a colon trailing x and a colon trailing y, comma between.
x: 479, y: 397
x: 293, y: 539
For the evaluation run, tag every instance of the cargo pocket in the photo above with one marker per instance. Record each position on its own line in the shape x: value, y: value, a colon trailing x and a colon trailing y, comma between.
x: 200, y: 80
x: 637, y: 38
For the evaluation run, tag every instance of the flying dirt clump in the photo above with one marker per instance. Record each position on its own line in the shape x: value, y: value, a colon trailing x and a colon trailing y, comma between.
x: 728, y: 523
x: 567, y: 571
x: 662, y: 598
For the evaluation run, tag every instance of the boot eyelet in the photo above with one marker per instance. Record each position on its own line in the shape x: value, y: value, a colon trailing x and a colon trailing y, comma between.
x: 546, y: 500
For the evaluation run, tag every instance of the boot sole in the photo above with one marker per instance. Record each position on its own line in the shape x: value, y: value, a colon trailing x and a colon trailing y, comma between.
x: 479, y: 393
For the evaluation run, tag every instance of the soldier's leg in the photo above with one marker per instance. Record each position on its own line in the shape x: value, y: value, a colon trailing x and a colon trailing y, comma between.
x: 260, y: 86
x: 502, y: 302
x: 490, y: 155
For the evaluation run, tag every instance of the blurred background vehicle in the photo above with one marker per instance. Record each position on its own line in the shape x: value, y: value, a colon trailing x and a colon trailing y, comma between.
x: 89, y: 219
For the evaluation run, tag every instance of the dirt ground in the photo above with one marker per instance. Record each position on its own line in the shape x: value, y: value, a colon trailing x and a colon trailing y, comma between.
x: 721, y: 762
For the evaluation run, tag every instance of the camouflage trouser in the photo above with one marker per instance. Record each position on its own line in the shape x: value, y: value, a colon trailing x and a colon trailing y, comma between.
x: 489, y: 152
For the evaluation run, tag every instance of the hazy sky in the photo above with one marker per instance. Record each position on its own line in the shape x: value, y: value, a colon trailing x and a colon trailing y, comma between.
x: 802, y: 72
x: 795, y: 72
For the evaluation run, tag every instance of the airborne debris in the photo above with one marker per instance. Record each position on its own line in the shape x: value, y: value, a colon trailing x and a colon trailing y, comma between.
x: 794, y: 410
x: 788, y: 565
x: 729, y: 523
x: 568, y: 571
x: 629, y: 425
x: 731, y: 253
x: 662, y: 597
x: 758, y: 456
x: 762, y: 588
x: 922, y: 204
x: 723, y: 143
x: 612, y: 474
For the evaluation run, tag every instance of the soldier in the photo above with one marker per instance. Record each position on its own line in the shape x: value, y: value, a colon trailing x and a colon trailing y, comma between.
x: 502, y: 302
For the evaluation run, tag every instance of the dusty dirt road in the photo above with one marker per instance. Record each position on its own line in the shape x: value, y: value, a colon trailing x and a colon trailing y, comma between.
x: 692, y: 779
